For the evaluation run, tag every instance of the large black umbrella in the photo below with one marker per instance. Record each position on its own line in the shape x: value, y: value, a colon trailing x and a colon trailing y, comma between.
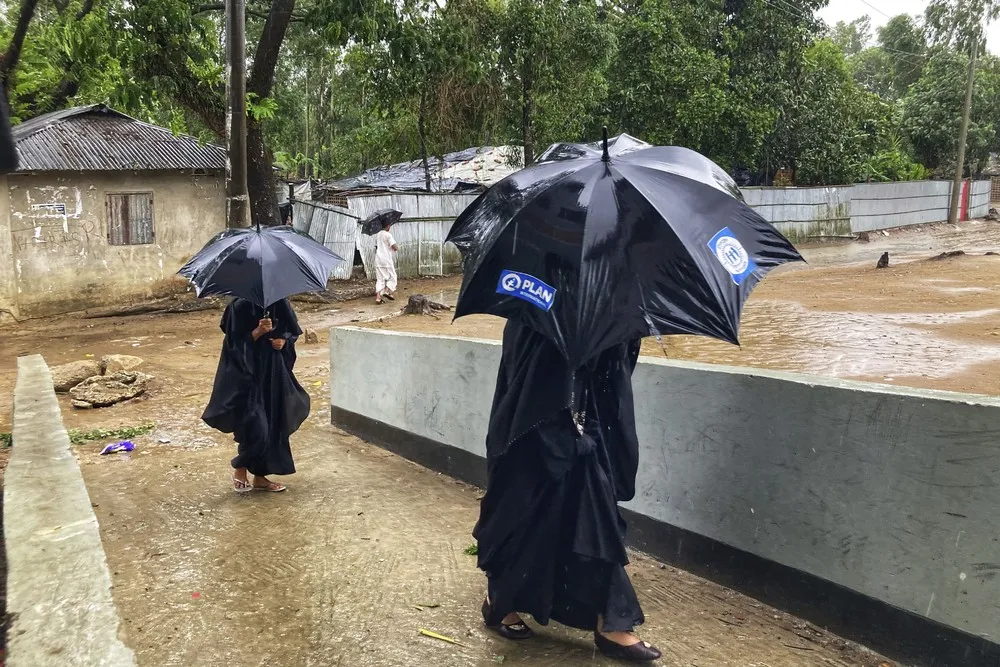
x: 596, y: 244
x: 261, y: 265
x: 379, y: 220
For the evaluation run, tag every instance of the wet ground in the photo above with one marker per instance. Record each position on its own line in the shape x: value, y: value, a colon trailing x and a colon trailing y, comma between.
x: 922, y: 322
x: 363, y: 552
x: 366, y: 549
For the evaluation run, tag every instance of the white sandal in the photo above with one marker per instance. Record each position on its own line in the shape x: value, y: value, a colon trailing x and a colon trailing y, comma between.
x: 241, y: 487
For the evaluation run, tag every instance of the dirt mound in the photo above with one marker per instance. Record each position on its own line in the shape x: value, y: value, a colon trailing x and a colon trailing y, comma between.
x: 947, y: 255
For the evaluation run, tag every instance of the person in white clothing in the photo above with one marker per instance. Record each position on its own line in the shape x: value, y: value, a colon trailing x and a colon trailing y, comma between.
x: 385, y: 266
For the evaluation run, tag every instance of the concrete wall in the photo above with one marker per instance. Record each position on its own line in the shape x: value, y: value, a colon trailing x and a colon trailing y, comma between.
x: 893, y: 494
x: 62, y: 260
x: 58, y: 583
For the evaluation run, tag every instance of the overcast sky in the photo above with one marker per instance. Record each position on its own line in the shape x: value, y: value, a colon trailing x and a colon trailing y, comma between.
x: 848, y: 10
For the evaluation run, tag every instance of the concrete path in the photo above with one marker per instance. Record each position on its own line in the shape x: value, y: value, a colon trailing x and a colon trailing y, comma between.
x: 58, y: 585
x: 364, y: 551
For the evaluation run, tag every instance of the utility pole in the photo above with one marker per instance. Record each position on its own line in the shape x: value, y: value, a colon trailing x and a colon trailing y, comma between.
x: 237, y: 199
x: 963, y: 135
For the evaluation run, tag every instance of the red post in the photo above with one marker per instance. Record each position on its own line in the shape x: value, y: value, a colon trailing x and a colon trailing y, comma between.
x: 965, y: 200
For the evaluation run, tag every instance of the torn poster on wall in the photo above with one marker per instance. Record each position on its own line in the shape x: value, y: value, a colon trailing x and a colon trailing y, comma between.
x: 50, y: 209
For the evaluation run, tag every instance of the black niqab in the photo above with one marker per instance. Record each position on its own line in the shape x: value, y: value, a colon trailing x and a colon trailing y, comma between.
x: 256, y: 396
x: 551, y: 537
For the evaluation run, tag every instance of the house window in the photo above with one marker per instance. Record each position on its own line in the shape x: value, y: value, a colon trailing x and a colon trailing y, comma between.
x: 130, y: 218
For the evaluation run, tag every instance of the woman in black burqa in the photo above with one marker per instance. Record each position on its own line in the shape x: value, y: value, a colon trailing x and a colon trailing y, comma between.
x: 256, y: 397
x: 561, y: 453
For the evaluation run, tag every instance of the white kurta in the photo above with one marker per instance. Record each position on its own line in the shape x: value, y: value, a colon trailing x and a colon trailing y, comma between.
x: 385, y: 265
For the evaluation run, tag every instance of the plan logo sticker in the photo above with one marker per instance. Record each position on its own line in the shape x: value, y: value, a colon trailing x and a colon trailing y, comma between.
x: 732, y: 255
x: 527, y: 288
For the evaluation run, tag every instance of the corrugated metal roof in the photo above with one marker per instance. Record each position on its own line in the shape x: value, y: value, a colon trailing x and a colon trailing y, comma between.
x: 96, y: 138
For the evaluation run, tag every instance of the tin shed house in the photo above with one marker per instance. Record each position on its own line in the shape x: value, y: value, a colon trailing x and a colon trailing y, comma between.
x: 102, y: 209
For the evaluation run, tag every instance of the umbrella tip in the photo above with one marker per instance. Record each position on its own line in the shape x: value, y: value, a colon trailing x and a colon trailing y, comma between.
x: 604, y: 134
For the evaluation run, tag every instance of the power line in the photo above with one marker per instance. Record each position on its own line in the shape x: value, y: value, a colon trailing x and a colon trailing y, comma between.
x: 876, y: 9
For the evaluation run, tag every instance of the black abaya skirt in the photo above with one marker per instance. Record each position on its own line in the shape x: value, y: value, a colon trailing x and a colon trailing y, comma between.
x: 550, y: 535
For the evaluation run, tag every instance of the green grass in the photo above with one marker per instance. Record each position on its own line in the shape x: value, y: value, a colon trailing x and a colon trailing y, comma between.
x: 79, y: 437
x: 472, y: 550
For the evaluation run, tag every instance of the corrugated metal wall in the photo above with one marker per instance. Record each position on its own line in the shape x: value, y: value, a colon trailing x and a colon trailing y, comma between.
x: 979, y: 204
x: 420, y: 233
x: 800, y: 213
x: 333, y: 228
x: 886, y: 205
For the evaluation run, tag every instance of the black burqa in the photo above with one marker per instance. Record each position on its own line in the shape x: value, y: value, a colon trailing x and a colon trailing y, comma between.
x: 551, y: 537
x: 256, y: 396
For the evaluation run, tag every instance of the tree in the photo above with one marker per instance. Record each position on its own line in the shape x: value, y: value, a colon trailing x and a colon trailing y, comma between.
x: 56, y: 52
x: 836, y: 124
x: 552, y: 57
x: 175, y: 46
x: 904, y: 46
x: 853, y: 37
x: 666, y: 83
x: 932, y: 113
x: 764, y: 44
x: 439, y: 60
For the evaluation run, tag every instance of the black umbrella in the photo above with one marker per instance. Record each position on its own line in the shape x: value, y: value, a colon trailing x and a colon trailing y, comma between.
x: 379, y: 220
x: 261, y: 265
x: 596, y: 244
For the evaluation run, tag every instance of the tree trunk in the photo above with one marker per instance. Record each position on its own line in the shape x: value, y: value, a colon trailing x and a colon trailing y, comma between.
x: 963, y: 135
x: 13, y: 53
x: 526, y: 110
x: 260, y: 178
x: 422, y: 130
x: 260, y: 161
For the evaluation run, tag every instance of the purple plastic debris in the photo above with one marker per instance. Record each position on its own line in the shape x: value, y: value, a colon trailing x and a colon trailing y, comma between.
x: 125, y: 446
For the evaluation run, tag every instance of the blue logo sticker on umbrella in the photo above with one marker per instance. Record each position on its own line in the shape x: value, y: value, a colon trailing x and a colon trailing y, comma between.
x: 527, y: 288
x: 732, y: 255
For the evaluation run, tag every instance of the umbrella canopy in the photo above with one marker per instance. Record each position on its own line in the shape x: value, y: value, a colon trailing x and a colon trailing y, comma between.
x: 379, y: 220
x: 597, y: 244
x: 261, y: 265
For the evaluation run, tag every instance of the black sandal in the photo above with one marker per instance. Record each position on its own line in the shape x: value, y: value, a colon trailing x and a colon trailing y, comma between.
x: 515, y: 631
x: 639, y: 652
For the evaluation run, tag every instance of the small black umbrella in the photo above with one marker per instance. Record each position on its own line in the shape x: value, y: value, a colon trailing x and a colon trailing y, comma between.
x: 379, y: 220
x: 261, y: 265
x: 597, y: 244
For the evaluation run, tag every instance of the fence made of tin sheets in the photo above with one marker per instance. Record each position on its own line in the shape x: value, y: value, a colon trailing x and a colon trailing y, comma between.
x: 802, y: 214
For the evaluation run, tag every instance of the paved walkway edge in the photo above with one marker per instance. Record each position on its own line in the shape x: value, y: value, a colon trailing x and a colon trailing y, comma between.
x: 58, y: 583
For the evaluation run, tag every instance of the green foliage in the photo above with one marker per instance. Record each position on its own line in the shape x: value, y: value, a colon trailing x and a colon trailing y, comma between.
x: 932, y: 113
x: 261, y: 109
x: 359, y: 83
x: 79, y: 437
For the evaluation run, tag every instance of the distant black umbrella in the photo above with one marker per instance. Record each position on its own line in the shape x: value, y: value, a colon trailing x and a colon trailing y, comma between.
x: 261, y: 265
x: 597, y: 244
x: 379, y: 220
